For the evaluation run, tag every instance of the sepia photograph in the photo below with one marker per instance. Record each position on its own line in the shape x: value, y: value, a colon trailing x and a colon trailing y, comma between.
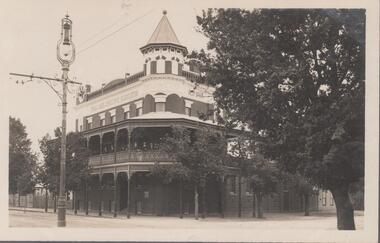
x: 198, y: 121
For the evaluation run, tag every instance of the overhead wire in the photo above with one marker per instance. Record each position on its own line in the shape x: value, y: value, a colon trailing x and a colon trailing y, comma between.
x: 114, y: 32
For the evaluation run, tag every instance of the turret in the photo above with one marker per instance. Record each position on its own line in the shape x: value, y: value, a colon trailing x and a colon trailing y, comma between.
x: 163, y: 52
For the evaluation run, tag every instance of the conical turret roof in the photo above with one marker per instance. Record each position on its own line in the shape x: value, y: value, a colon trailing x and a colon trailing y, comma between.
x: 164, y: 33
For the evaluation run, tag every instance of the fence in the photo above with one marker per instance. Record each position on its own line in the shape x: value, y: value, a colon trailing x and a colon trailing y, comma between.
x: 33, y: 200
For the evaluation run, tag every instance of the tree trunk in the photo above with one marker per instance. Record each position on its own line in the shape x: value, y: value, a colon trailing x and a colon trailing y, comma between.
x: 344, y: 208
x: 196, y: 201
x: 180, y: 199
x: 253, y: 205
x: 46, y: 200
x: 306, y: 204
x: 259, y: 205
x: 203, y: 201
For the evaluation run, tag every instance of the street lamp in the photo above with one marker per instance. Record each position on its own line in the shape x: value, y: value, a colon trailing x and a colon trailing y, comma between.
x: 66, y: 56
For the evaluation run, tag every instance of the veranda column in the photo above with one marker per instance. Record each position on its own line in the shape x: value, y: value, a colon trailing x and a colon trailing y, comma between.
x: 75, y: 202
x: 180, y: 198
x: 222, y: 196
x: 86, y: 196
x: 129, y: 194
x: 115, y: 175
x: 101, y: 194
x: 46, y: 200
x: 115, y: 195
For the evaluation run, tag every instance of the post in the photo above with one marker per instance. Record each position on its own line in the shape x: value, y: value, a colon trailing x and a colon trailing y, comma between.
x: 86, y: 196
x: 239, y: 198
x: 180, y: 199
x: 196, y: 201
x: 129, y: 195
x: 222, y: 196
x: 62, y: 189
x: 46, y: 200
x: 115, y: 195
x: 75, y: 202
x: 101, y: 195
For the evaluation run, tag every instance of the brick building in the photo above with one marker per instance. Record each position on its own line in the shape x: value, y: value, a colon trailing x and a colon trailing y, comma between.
x: 123, y: 123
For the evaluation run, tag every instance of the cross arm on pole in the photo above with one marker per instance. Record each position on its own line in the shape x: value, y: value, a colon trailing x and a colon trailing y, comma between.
x: 41, y: 77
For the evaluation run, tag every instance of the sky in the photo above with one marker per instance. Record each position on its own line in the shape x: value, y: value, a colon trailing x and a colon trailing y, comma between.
x: 29, y: 47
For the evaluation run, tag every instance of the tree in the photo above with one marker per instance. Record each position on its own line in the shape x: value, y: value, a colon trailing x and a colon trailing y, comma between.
x: 262, y: 175
x: 76, y: 161
x: 304, y: 188
x: 22, y: 161
x: 295, y: 77
x: 198, y: 153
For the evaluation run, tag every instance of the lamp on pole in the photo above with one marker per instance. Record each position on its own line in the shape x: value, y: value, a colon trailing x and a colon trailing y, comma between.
x: 66, y: 56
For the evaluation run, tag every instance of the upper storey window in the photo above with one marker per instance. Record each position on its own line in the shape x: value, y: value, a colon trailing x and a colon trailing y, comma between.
x: 153, y: 67
x: 112, y: 116
x: 188, y: 104
x: 139, y: 108
x: 102, y: 119
x: 160, y: 107
x: 89, y: 122
x: 126, y: 112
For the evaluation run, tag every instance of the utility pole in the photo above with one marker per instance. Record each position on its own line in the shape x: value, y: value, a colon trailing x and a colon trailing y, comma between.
x: 66, y: 56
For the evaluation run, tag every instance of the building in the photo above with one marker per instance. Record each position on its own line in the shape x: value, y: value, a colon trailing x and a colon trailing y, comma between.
x: 124, y: 122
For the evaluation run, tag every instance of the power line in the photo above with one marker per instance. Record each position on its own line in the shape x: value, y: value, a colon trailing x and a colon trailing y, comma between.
x: 114, y: 32
x: 104, y: 29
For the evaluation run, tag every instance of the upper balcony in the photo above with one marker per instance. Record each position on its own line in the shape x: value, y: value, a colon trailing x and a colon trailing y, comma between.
x: 129, y: 156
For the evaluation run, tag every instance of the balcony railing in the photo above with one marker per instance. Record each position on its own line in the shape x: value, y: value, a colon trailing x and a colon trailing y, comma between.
x: 129, y: 156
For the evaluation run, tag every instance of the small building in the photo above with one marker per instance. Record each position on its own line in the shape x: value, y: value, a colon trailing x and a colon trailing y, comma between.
x: 125, y: 121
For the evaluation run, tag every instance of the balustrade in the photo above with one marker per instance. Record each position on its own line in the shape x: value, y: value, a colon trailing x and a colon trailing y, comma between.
x: 129, y: 156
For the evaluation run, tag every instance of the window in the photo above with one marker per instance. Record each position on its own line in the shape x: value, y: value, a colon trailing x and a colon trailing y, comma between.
x: 89, y: 125
x: 324, y: 197
x: 160, y: 106
x: 188, y: 111
x: 126, y: 115
x: 331, y: 200
x: 153, y: 67
x: 102, y: 122
x: 113, y: 119
x: 139, y: 111
x: 168, y: 67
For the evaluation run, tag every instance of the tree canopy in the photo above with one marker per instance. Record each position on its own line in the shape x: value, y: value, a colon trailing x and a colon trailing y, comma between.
x: 295, y: 77
x: 22, y: 161
x: 76, y: 160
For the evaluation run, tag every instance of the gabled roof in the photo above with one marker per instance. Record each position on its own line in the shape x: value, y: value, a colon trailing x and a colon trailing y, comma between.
x: 164, y: 33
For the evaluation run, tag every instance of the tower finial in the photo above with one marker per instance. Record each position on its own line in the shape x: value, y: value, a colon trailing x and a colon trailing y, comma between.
x: 164, y: 12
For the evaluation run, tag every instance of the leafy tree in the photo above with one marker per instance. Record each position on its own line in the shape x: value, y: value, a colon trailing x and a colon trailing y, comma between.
x: 295, y: 77
x: 22, y: 161
x: 198, y: 153
x: 262, y: 174
x: 304, y: 188
x: 76, y: 161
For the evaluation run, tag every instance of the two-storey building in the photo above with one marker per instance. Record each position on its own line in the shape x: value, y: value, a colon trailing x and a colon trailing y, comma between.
x: 124, y: 122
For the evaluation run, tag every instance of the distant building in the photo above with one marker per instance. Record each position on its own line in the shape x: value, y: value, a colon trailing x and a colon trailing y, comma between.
x: 124, y: 122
